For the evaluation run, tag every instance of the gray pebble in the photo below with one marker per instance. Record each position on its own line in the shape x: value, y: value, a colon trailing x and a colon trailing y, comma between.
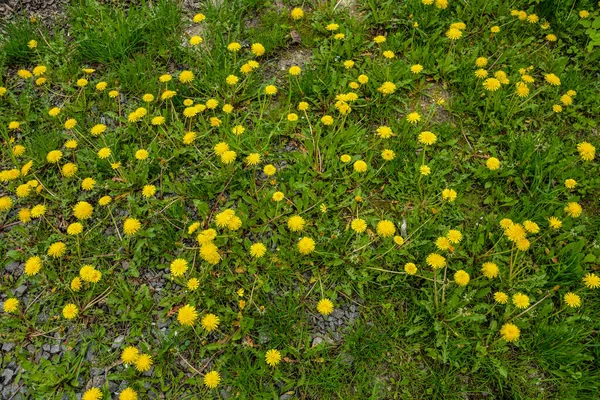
x: 90, y: 355
x: 14, y: 267
x: 263, y: 338
x: 117, y: 342
x: 8, y: 346
x: 7, y: 375
x: 163, y: 324
x: 20, y: 290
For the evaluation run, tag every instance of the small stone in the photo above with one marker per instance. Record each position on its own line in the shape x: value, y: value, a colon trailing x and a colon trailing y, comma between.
x: 8, y: 346
x: 163, y: 324
x: 316, y: 341
x: 7, y: 375
x: 263, y: 339
x: 55, y: 349
x: 13, y: 267
x: 90, y: 355
x: 20, y: 290
x: 117, y: 342
x: 112, y: 387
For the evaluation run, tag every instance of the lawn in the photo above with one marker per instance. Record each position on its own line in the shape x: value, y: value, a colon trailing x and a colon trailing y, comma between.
x: 252, y: 199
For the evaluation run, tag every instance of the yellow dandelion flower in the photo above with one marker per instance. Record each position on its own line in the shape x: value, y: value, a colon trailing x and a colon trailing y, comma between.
x: 273, y: 357
x: 143, y: 363
x: 187, y: 315
x: 500, y: 297
x: 572, y: 300
x: 520, y: 300
x: 510, y: 332
x: 325, y: 306
x: 210, y: 322
x: 306, y: 245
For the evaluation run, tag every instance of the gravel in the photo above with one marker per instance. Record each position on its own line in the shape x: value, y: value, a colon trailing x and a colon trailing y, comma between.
x: 42, y: 9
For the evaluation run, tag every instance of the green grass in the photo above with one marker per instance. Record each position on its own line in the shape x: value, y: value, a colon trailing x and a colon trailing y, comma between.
x: 408, y: 338
x: 14, y: 41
